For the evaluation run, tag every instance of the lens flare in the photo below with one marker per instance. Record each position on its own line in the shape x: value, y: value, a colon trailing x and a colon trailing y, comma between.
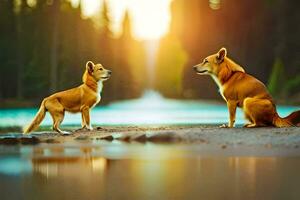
x: 150, y: 18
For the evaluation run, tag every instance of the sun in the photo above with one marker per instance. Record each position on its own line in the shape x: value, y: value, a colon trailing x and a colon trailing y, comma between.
x: 150, y: 18
x: 89, y: 7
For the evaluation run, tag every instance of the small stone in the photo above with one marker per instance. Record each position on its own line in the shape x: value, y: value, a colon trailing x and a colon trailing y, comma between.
x: 203, y: 141
x: 9, y: 140
x: 51, y: 140
x: 140, y: 138
x: 164, y: 138
x: 108, y: 138
x: 29, y: 140
x: 269, y: 146
x: 125, y: 138
x: 82, y: 137
x: 224, y: 146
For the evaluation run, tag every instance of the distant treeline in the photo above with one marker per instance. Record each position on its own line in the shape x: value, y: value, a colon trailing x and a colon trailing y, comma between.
x: 260, y: 35
x: 44, y: 48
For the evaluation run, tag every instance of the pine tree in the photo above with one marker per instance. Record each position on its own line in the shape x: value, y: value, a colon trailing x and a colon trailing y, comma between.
x: 20, y: 29
x: 105, y: 20
x: 126, y: 27
x: 105, y: 40
x: 54, y: 46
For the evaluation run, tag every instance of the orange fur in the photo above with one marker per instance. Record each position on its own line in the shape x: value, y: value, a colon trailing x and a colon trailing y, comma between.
x: 240, y: 89
x: 79, y: 99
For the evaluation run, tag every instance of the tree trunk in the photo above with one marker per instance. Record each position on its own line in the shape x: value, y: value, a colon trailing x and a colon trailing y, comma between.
x: 1, y: 95
x: 20, y: 60
x: 54, y: 45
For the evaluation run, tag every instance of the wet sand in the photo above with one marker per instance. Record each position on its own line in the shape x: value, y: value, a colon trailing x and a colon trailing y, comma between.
x: 283, y: 138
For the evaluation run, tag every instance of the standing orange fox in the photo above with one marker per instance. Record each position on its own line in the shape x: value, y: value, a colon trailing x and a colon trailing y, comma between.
x: 240, y: 89
x: 80, y: 99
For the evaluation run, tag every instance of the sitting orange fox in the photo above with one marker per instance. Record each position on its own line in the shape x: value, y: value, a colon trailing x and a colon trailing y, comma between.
x: 79, y: 99
x: 240, y: 89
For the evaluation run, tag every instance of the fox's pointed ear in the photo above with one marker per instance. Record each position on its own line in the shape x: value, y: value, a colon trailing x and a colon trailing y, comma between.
x: 90, y: 67
x: 222, y: 54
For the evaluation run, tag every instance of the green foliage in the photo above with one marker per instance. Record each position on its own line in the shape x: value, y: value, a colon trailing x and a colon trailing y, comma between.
x: 291, y: 86
x: 32, y: 57
x: 276, y: 78
x: 254, y: 32
x: 279, y: 85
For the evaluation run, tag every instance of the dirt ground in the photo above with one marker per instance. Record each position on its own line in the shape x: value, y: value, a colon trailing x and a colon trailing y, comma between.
x: 210, y: 135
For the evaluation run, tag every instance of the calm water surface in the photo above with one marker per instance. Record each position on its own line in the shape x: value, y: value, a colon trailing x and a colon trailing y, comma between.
x: 109, y: 170
x: 150, y: 109
x: 104, y: 170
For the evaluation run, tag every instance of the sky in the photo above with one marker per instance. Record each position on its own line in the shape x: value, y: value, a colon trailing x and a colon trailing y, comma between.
x: 150, y: 18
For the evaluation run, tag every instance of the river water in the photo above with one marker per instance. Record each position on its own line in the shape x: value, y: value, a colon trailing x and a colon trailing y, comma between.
x: 150, y: 109
x: 116, y: 170
x: 105, y: 170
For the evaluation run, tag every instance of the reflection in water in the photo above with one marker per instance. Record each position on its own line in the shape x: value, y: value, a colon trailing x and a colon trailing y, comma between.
x: 51, y: 175
x: 55, y: 165
x: 52, y: 167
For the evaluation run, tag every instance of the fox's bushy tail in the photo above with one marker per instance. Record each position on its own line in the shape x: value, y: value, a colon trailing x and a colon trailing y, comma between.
x: 37, y: 119
x: 291, y: 120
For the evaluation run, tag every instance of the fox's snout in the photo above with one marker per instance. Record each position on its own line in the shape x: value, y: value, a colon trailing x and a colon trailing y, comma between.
x: 199, y: 69
x: 195, y: 68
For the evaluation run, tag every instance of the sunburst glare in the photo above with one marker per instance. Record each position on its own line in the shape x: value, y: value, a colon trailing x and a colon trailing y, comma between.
x: 150, y: 18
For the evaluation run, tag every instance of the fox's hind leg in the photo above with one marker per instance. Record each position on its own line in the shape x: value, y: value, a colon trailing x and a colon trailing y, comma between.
x: 247, y: 117
x: 57, y: 120
x: 260, y: 112
x: 57, y: 113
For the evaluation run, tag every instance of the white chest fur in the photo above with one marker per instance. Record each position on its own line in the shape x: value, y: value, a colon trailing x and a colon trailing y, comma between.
x: 221, y: 88
x: 100, y: 87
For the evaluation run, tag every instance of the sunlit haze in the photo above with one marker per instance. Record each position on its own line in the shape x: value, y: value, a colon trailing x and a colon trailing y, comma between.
x: 150, y: 18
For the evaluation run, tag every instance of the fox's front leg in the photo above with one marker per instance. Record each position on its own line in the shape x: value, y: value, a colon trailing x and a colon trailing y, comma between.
x: 231, y: 105
x: 83, y: 124
x: 232, y: 111
x: 86, y: 118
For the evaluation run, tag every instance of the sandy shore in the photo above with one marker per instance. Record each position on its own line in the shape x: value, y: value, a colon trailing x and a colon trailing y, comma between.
x: 210, y: 135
